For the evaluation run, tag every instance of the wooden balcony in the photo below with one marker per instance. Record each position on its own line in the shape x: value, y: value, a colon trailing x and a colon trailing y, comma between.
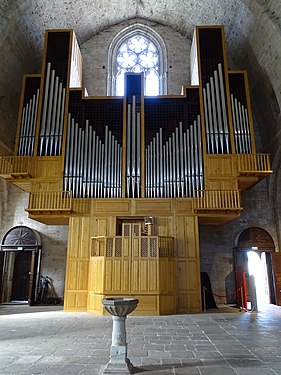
x: 139, y: 266
x: 216, y: 206
x: 252, y: 168
x: 50, y: 207
x: 15, y: 167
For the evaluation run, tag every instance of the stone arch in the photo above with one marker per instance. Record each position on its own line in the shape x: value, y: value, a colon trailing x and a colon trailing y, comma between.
x: 119, y: 39
x: 258, y: 241
x: 20, y: 263
x: 254, y: 238
x: 21, y: 236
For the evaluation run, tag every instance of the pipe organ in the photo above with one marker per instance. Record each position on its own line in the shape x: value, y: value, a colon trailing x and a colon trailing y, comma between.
x: 96, y: 163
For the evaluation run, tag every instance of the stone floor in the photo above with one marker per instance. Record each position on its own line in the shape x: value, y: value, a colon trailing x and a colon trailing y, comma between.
x: 54, y: 342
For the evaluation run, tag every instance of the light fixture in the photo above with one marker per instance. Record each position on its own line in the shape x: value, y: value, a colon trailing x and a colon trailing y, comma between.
x: 148, y: 220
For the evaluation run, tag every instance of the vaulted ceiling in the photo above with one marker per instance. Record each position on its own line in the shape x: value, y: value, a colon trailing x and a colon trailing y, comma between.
x: 23, y: 22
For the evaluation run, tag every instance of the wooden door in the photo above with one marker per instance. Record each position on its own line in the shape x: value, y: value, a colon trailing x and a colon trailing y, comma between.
x: 276, y: 264
x: 22, y: 282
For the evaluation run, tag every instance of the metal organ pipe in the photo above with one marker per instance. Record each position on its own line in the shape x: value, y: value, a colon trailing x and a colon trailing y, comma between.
x: 192, y: 159
x: 180, y: 165
x: 52, y: 114
x: 224, y: 108
x: 92, y: 167
x: 167, y: 170
x: 215, y: 112
x: 34, y: 121
x: 30, y: 130
x: 196, y: 163
x: 49, y: 112
x: 177, y: 162
x: 105, y: 161
x: 210, y: 118
x: 102, y: 170
x: 78, y: 152
x: 171, y: 168
x: 56, y: 120
x: 208, y: 136
x: 200, y: 162
x: 241, y: 107
x: 188, y: 162
x: 128, y: 148
x: 234, y: 123
x: 61, y: 122
x: 28, y: 126
x: 241, y: 126
x: 248, y: 130
x: 164, y: 172
x: 109, y: 164
x: 181, y: 159
x: 25, y: 145
x: 44, y: 112
x: 20, y: 151
x: 157, y: 170
x: 85, y: 166
x: 218, y: 104
x: 138, y: 153
x: 133, y: 159
x: 185, y: 164
x: 133, y: 141
x: 244, y: 148
x: 54, y: 111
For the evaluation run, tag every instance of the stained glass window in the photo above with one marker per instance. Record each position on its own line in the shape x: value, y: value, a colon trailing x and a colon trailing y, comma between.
x: 138, y: 54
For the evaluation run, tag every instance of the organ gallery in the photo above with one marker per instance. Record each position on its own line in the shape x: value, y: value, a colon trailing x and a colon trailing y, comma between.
x: 133, y: 176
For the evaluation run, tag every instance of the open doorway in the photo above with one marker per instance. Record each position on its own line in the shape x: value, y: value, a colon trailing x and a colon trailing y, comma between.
x: 258, y: 277
x: 254, y: 268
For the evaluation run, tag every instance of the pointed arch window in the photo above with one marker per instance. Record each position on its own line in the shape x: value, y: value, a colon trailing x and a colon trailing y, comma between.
x: 137, y: 49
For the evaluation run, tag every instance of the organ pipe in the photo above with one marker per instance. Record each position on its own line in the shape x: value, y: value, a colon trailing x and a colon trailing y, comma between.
x: 181, y: 163
x: 133, y: 159
x: 241, y: 126
x: 28, y: 126
x: 52, y: 114
x: 92, y: 165
x: 215, y: 112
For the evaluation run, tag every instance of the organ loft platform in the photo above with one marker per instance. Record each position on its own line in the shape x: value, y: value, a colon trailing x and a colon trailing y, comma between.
x: 103, y: 165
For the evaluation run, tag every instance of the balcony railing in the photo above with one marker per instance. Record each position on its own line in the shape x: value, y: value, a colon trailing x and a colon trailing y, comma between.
x: 12, y: 165
x: 216, y: 200
x: 136, y: 246
x: 50, y: 201
x: 253, y: 163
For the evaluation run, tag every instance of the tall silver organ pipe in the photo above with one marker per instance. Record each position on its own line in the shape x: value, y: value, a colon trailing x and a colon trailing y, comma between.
x: 133, y: 153
x: 240, y: 120
x: 179, y: 170
x: 93, y: 166
x: 215, y: 113
x: 28, y: 126
x: 51, y: 127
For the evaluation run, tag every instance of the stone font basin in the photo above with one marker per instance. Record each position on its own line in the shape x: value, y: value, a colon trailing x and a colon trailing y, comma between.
x: 120, y: 306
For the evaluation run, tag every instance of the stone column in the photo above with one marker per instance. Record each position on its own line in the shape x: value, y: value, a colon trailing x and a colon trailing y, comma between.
x: 119, y: 362
x: 119, y: 308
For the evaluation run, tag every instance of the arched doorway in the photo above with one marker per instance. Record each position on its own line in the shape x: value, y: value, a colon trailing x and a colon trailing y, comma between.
x: 254, y: 262
x: 21, y: 257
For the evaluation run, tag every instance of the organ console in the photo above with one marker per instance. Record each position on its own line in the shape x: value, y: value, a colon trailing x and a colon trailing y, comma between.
x: 92, y: 161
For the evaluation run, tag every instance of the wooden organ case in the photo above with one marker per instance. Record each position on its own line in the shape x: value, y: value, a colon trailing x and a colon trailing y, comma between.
x: 100, y: 164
